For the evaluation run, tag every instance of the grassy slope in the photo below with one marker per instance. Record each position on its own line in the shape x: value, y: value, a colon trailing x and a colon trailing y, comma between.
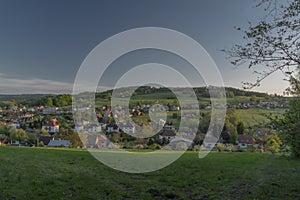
x: 33, y: 173
x: 255, y: 116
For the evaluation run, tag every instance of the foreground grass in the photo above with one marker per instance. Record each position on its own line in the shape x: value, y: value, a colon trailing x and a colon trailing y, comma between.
x: 33, y: 173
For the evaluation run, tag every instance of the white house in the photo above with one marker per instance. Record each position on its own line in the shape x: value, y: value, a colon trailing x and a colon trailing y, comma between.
x: 161, y: 122
x: 128, y: 127
x: 52, y: 127
x: 93, y: 128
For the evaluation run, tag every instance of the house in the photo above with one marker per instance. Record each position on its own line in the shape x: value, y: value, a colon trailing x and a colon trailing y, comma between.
x: 26, y: 116
x: 244, y: 141
x: 78, y: 128
x: 52, y: 127
x: 209, y: 142
x: 93, y: 128
x: 180, y: 143
x: 45, y: 139
x: 15, y: 124
x: 175, y: 108
x: 168, y: 127
x: 128, y: 127
x: 161, y: 122
x: 49, y: 110
x: 112, y: 128
x: 91, y: 141
x: 102, y: 142
x: 181, y: 139
x: 260, y: 143
x: 165, y: 108
x: 169, y: 134
x: 97, y: 141
x: 59, y: 143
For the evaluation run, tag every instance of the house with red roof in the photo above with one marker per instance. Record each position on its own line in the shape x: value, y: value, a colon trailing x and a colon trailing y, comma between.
x: 97, y: 141
x: 244, y: 141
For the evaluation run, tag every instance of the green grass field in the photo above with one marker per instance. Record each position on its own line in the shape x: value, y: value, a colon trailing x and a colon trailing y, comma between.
x: 42, y: 173
x: 256, y: 116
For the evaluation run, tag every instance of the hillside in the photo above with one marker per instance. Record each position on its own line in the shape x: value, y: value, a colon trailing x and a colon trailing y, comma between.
x: 144, y: 93
x: 34, y: 173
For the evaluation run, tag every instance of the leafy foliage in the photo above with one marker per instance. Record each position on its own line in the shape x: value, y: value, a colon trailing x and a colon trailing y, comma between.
x: 289, y: 126
x: 273, y: 143
x: 272, y: 43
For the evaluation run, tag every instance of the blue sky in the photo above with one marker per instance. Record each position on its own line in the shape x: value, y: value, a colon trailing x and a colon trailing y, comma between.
x: 43, y: 43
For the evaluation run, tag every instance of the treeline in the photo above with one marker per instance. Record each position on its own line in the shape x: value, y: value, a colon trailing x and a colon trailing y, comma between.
x: 200, y: 91
x: 22, y: 99
x: 66, y: 99
x: 239, y: 92
x: 57, y: 100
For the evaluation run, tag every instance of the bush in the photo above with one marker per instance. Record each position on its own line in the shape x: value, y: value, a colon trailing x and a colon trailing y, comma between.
x: 181, y: 146
x: 251, y: 148
x: 221, y: 147
x: 196, y: 148
x: 154, y: 146
x: 41, y: 144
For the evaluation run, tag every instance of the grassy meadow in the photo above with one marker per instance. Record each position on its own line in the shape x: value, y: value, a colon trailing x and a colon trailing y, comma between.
x: 43, y: 173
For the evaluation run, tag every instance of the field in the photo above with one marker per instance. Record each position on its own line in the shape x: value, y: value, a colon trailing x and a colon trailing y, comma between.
x: 255, y: 116
x: 250, y: 117
x: 42, y: 173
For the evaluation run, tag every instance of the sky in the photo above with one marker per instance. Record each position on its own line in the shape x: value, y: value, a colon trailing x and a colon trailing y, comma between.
x: 43, y: 43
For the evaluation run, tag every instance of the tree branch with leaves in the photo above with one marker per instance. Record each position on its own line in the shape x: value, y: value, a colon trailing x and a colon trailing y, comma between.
x: 271, y: 45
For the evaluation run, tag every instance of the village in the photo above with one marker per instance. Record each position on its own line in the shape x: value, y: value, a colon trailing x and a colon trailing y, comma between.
x: 54, y: 126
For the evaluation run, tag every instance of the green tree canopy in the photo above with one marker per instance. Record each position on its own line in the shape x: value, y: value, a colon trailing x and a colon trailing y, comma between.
x: 273, y: 44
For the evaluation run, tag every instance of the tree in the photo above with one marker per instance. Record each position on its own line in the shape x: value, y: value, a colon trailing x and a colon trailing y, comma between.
x: 234, y: 137
x: 16, y: 134
x: 240, y: 128
x: 48, y: 102
x: 44, y: 132
x: 12, y: 134
x: 41, y: 144
x: 230, y: 94
x: 83, y: 138
x: 272, y: 44
x: 72, y: 136
x: 273, y: 143
x: 21, y: 134
x: 289, y: 127
x: 31, y: 138
x: 3, y: 129
x: 253, y: 98
x: 63, y: 100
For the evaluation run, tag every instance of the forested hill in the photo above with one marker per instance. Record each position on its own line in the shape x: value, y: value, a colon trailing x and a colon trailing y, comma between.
x: 200, y: 92
x: 65, y: 99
